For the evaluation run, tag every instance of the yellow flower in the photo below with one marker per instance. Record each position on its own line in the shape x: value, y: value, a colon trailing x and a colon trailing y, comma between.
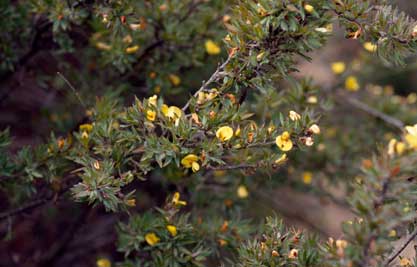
x: 396, y: 147
x: 315, y: 129
x: 307, y: 177
x: 132, y: 49
x: 171, y: 112
x: 294, y: 116
x: 312, y: 99
x: 103, y: 262
x: 103, y: 46
x: 392, y: 233
x: 224, y: 133
x: 150, y: 115
x: 242, y: 191
x: 212, y: 94
x: 293, y: 254
x: 128, y: 39
x: 152, y: 100
x: 284, y: 142
x: 212, y: 48
x: 96, y: 165
x: 237, y: 133
x: 172, y: 230
x: 370, y: 47
x: 86, y: 127
x: 352, y: 84
x: 191, y: 161
x: 338, y: 67
x: 164, y: 110
x: 281, y: 159
x: 174, y: 79
x: 260, y: 56
x: 405, y: 262
x: 308, y: 8
x: 176, y: 200
x: 84, y: 135
x: 411, y: 136
x: 412, y: 98
x: 341, y: 244
x: 152, y: 239
x: 131, y: 202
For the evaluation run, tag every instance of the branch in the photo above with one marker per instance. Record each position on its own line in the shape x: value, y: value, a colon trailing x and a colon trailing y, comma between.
x: 401, y: 248
x: 371, y: 111
x: 34, y: 204
x: 233, y: 167
x: 214, y: 77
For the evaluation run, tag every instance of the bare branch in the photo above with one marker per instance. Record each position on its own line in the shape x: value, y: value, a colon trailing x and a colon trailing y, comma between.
x: 214, y: 77
x: 400, y: 249
x: 371, y: 111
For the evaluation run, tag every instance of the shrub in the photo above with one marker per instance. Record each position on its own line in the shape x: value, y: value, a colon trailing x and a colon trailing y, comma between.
x: 180, y: 166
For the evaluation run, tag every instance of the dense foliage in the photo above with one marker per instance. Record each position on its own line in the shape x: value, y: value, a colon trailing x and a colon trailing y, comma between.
x: 220, y: 118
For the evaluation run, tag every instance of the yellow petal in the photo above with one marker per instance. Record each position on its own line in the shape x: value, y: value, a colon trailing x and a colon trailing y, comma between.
x: 352, y: 84
x: 195, y: 166
x: 174, y: 113
x: 164, y: 110
x: 132, y: 49
x: 86, y: 127
x: 224, y: 133
x: 174, y: 79
x: 411, y: 129
x: 315, y: 129
x: 284, y: 142
x: 307, y: 177
x: 242, y: 191
x: 152, y: 100
x: 188, y: 160
x: 152, y: 239
x: 172, y: 230
x: 103, y: 262
x: 411, y: 140
x: 212, y: 48
x: 338, y: 67
x: 281, y: 159
x: 150, y: 115
x: 308, y: 8
x: 294, y: 116
x: 370, y: 47
x: 176, y: 200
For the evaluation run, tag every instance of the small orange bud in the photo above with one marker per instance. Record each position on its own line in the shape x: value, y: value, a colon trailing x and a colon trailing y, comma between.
x: 224, y: 226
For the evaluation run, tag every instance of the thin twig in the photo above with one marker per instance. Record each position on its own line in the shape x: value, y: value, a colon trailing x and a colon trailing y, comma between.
x: 400, y: 249
x: 233, y: 167
x: 372, y: 111
x: 73, y: 89
x: 34, y: 204
x: 214, y: 77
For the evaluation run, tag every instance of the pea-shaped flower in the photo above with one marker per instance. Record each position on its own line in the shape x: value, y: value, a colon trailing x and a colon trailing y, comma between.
x: 172, y: 229
x: 191, y: 161
x: 152, y: 239
x: 224, y: 133
x: 284, y: 142
x: 411, y: 136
